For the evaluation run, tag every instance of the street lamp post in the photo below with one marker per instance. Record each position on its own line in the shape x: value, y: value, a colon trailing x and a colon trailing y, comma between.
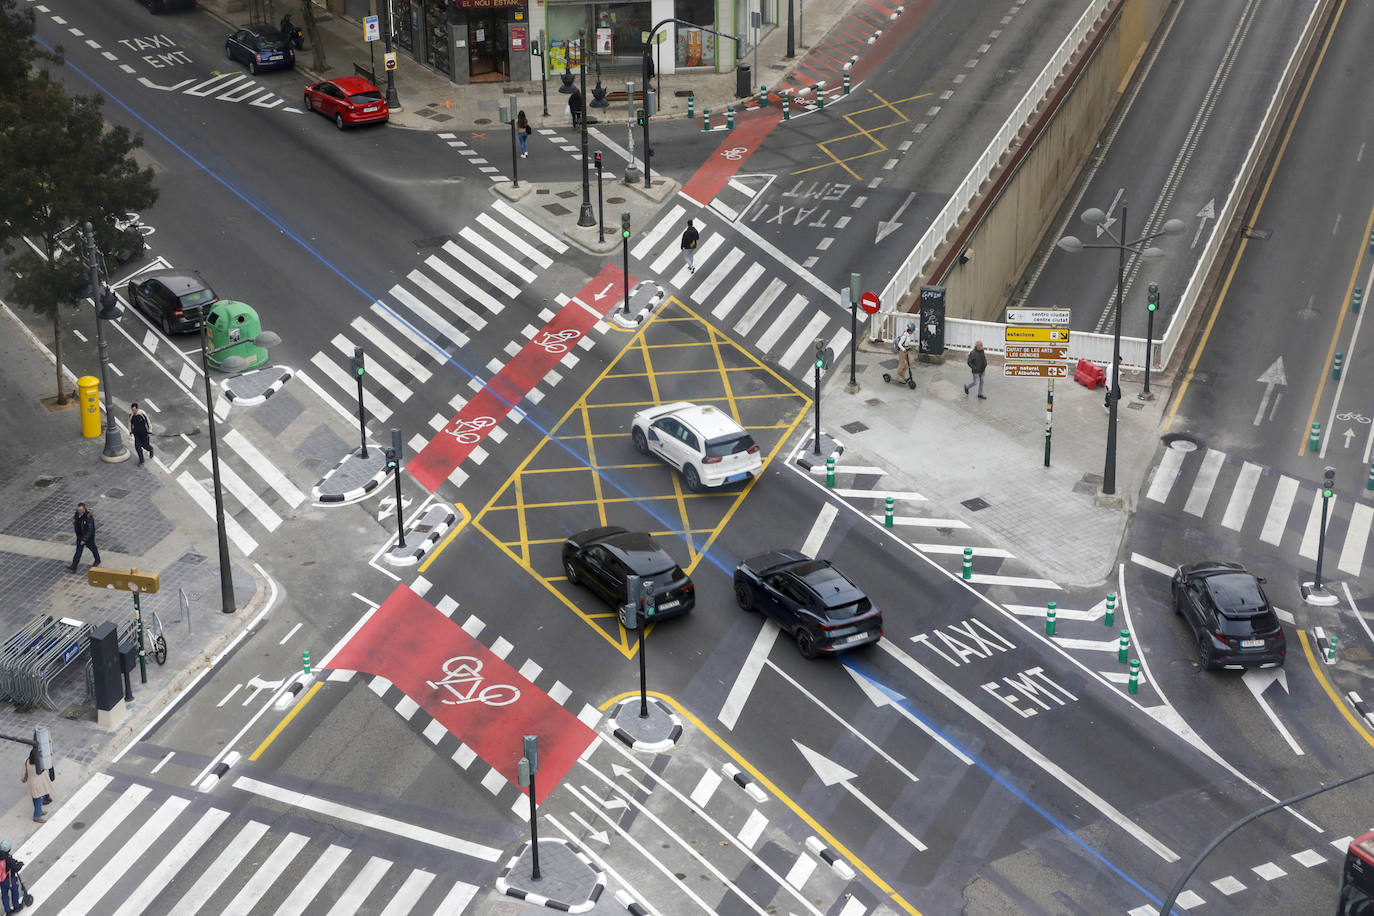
x: 644, y: 70
x: 114, y: 442
x: 586, y: 218
x: 1095, y: 217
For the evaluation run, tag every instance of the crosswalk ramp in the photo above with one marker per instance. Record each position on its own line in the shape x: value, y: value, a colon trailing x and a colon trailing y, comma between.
x: 1278, y: 509
x: 743, y: 290
x: 124, y: 847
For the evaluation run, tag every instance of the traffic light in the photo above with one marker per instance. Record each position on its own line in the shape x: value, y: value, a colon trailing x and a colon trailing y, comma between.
x: 625, y: 226
x: 1153, y: 302
x: 358, y: 369
x: 629, y: 611
x: 390, y: 459
x: 640, y: 115
x: 820, y: 353
x: 646, y: 591
x: 1328, y: 483
x: 598, y: 163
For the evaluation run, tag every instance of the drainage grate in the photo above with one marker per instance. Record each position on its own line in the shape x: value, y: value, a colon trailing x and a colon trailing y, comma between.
x: 855, y: 427
x: 1135, y: 405
x: 566, y: 194
x: 973, y: 505
x: 557, y: 209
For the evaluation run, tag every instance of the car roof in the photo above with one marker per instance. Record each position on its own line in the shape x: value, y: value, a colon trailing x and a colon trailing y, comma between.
x: 179, y: 282
x: 704, y: 418
x: 353, y: 84
x: 1236, y: 591
x: 639, y: 552
x: 827, y: 582
x: 773, y: 560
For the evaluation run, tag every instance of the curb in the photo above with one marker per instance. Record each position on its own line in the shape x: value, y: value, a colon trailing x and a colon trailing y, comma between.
x: 349, y: 495
x: 419, y: 552
x: 808, y: 460
x: 1361, y: 707
x: 648, y: 747
x: 618, y: 318
x: 213, y: 777
x: 504, y: 887
x: 259, y: 398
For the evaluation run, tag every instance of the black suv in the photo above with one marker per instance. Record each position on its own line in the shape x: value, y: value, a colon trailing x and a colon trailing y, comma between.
x: 176, y: 300
x: 810, y: 599
x: 1233, y: 623
x: 602, y: 559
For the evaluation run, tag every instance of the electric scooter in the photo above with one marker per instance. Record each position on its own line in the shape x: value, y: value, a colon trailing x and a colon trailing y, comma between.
x: 910, y: 381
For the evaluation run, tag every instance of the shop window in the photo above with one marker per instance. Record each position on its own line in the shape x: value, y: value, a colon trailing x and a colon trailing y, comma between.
x: 694, y: 47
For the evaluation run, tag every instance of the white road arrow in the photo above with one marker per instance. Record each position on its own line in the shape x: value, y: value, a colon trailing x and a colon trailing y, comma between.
x: 622, y: 772
x: 600, y: 836
x: 831, y: 773
x: 602, y: 294
x: 889, y: 226
x: 1349, y: 434
x: 881, y: 696
x: 1110, y: 220
x: 1209, y: 211
x: 1258, y: 680
x: 1271, y: 377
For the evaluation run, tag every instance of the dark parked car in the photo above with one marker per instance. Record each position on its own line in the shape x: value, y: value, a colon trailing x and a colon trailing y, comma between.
x: 158, y: 6
x: 1233, y: 623
x: 810, y: 599
x: 175, y: 300
x: 602, y: 559
x: 261, y: 47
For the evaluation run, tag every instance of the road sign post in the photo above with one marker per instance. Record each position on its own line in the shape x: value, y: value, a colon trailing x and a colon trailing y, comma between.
x: 625, y: 250
x: 1049, y: 418
x: 642, y: 604
x: 854, y: 283
x: 527, y: 767
x: 820, y: 364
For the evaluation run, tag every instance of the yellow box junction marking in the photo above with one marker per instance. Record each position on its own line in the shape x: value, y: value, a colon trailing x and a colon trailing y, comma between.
x: 899, y: 120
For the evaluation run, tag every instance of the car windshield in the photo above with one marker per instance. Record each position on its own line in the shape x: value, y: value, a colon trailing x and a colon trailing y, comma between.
x: 367, y: 97
x: 852, y: 609
x: 729, y: 445
x: 199, y: 297
x: 1247, y: 625
x: 1236, y: 593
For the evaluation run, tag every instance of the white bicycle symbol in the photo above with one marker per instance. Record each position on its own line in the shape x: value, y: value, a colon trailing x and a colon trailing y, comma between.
x: 135, y: 221
x: 462, y: 678
x: 469, y: 432
x: 554, y: 342
x: 1358, y: 418
x: 735, y: 153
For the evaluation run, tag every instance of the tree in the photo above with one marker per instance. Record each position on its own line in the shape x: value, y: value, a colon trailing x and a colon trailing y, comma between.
x: 60, y: 167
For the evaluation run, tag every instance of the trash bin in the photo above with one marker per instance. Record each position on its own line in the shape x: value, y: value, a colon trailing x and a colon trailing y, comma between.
x: 743, y: 81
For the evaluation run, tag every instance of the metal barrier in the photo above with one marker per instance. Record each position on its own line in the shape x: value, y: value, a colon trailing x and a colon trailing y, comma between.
x: 31, y: 659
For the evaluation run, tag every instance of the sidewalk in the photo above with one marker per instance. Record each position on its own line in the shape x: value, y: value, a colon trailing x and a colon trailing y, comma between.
x: 143, y: 520
x: 955, y: 449
x: 431, y: 101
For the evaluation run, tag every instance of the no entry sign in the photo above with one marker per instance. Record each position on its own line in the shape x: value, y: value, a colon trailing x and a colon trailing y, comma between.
x: 869, y: 303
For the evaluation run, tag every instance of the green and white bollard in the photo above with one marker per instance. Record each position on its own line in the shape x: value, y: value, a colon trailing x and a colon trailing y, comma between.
x: 763, y: 95
x: 1331, y: 649
x: 1369, y: 484
x: 1049, y: 618
x: 968, y: 563
x: 890, y: 505
x: 1111, y: 609
x: 1356, y: 300
x: 1125, y: 647
x: 1314, y: 441
x: 820, y: 93
x: 730, y: 118
x: 691, y: 107
x: 305, y: 661
x: 830, y: 471
x: 786, y: 109
x: 1371, y: 241
x: 1133, y: 686
x: 706, y: 119
x: 1336, y: 365
x: 846, y: 82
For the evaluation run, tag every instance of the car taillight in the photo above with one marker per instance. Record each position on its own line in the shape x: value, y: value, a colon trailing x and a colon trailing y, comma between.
x: 689, y: 587
x: 711, y: 459
x: 178, y: 313
x: 1221, y: 637
x: 753, y: 449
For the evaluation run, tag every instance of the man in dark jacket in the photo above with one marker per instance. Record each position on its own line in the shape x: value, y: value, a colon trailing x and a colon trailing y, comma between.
x: 138, y: 427
x: 977, y: 364
x: 83, y: 523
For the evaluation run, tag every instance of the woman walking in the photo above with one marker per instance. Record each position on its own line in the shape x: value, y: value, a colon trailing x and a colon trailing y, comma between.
x: 523, y: 131
x: 39, y: 785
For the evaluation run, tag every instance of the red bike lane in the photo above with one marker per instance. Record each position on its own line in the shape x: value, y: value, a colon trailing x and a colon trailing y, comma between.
x: 463, y: 686
x: 451, y: 446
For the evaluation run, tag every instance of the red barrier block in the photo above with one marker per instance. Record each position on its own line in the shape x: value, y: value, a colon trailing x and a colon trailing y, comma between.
x: 1089, y: 374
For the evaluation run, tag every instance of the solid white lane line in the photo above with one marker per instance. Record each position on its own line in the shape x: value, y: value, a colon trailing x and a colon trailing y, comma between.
x: 1356, y: 538
x: 348, y: 384
x: 213, y: 876
x: 264, y: 468
x: 802, y: 343
x: 1060, y: 613
x: 360, y: 888
x: 819, y: 470
x: 507, y: 237
x: 242, y: 539
x: 376, y: 338
x: 487, y: 248
x: 367, y: 819
x: 409, y: 894
x: 472, y: 290
x: 719, y: 271
x: 166, y: 871
x: 1276, y: 520
x: 704, y: 252
x: 268, y: 872
x: 1241, y: 496
x: 898, y: 495
x: 136, y: 845
x: 762, y: 303
x: 1350, y: 601
x: 748, y: 674
x: 245, y: 494
x: 1204, y: 482
x: 290, y: 633
x: 535, y: 231
x: 1018, y: 581
x: 466, y: 259
x: 742, y: 285
x: 314, y: 881
x: 1109, y: 644
x: 1311, y: 533
x: 1165, y: 475
x: 958, y: 549
x: 450, y: 302
x: 1164, y: 569
x: 918, y: 521
x: 431, y: 348
x: 1052, y: 769
x: 650, y: 239
x: 429, y: 316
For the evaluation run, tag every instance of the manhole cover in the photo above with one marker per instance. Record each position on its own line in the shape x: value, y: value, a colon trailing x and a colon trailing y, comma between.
x: 855, y: 427
x: 615, y: 200
x: 566, y: 194
x: 973, y: 505
x: 1135, y: 405
x: 873, y: 402
x: 45, y: 481
x: 482, y: 121
x: 557, y: 209
x: 542, y: 191
x: 1181, y: 442
x: 117, y: 493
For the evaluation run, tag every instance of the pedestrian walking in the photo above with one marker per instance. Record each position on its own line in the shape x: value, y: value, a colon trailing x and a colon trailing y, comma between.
x: 977, y: 364
x: 1113, y: 384
x: 689, y: 247
x: 907, y: 343
x: 138, y: 427
x: 575, y: 108
x: 40, y: 787
x: 10, y: 894
x: 523, y: 131
x: 83, y: 523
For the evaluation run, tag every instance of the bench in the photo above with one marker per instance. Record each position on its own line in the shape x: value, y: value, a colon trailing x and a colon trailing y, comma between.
x: 622, y: 96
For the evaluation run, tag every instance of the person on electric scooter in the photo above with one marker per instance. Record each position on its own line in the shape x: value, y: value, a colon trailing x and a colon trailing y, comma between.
x: 907, y: 344
x: 10, y: 894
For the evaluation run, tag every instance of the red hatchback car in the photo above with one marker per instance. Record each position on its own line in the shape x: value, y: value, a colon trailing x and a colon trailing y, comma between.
x: 348, y: 100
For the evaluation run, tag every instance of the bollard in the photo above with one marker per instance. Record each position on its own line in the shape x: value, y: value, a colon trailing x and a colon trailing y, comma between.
x: 730, y: 118
x: 1125, y: 646
x: 1314, y: 441
x: 1134, y: 686
x: 846, y: 82
x: 763, y: 95
x: 1049, y: 618
x: 820, y: 93
x: 1331, y: 649
x: 786, y: 109
x: 968, y: 563
x: 887, y: 522
x: 1336, y: 366
x: 1356, y: 300
x: 1371, y: 241
x: 830, y: 471
x: 305, y: 661
x: 1111, y: 609
x: 691, y: 107
x: 1369, y: 484
x: 705, y: 119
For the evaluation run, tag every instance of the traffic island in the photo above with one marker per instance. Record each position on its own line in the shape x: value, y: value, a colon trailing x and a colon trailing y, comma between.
x: 256, y: 386
x: 568, y: 881
x: 654, y: 733
x: 352, y: 478
x: 644, y: 298
x: 421, y: 537
x: 807, y: 456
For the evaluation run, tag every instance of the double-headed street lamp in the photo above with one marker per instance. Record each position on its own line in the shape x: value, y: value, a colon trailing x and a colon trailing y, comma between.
x: 1095, y: 217
x: 651, y: 109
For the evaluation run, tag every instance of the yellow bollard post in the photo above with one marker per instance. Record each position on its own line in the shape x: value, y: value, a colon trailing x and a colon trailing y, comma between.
x: 88, y: 388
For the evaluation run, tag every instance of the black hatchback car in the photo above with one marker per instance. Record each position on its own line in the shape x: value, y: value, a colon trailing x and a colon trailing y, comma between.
x: 175, y: 300
x: 810, y: 599
x: 260, y: 47
x: 603, y: 558
x: 1233, y: 623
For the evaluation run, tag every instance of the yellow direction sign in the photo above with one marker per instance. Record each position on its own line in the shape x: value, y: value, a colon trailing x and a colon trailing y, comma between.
x: 1043, y: 369
x: 1037, y: 335
x: 1037, y: 351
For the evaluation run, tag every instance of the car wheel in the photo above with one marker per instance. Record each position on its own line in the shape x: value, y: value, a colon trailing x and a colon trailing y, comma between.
x: 691, y: 478
x: 1204, y: 654
x: 571, y: 572
x: 253, y: 67
x: 166, y: 326
x: 339, y: 121
x: 309, y: 106
x: 806, y: 643
x: 641, y: 443
x: 744, y: 595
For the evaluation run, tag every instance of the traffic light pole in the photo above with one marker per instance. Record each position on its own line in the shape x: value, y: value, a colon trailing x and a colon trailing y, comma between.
x: 820, y: 350
x: 625, y: 251
x: 142, y: 659
x: 358, y: 371
x: 600, y: 206
x: 1328, y: 482
x: 1153, y: 303
x: 643, y: 675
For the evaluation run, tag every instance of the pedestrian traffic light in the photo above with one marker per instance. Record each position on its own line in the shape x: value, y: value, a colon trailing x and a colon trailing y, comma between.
x: 598, y: 163
x: 358, y: 370
x: 1328, y: 483
x: 820, y: 353
x: 640, y: 115
x: 390, y: 459
x: 625, y: 226
x: 1153, y: 302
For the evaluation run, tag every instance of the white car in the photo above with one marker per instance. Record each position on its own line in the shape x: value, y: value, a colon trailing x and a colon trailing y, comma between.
x: 702, y: 442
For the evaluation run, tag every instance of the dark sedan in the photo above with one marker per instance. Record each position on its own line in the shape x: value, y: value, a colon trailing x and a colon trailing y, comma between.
x: 603, y: 558
x: 261, y: 47
x: 1233, y: 623
x: 810, y: 599
x: 175, y: 300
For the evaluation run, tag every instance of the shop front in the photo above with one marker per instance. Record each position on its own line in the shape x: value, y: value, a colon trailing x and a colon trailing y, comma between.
x: 617, y: 32
x: 468, y: 41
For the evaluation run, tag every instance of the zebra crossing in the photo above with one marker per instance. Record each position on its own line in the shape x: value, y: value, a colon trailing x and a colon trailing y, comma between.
x: 743, y: 290
x: 166, y: 852
x: 498, y: 173
x: 1279, y: 509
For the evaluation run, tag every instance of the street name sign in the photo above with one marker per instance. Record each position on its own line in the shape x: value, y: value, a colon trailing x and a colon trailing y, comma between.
x: 1051, y: 317
x: 1036, y: 351
x: 1035, y: 369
